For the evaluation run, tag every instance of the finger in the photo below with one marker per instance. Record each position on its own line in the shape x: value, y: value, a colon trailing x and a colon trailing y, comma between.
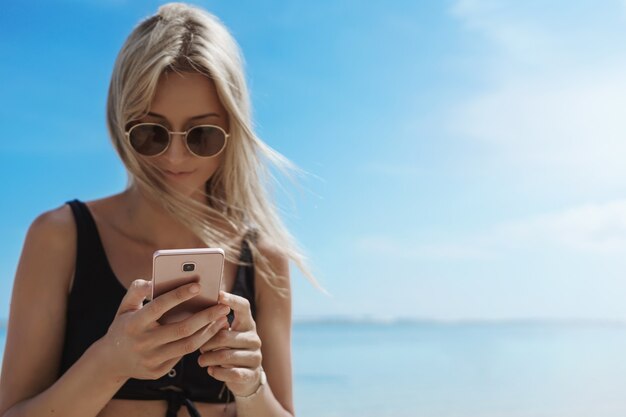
x: 232, y: 339
x: 138, y: 291
x: 241, y: 308
x: 189, y: 344
x: 233, y: 375
x: 165, y: 367
x: 174, y: 331
x: 153, y: 310
x: 238, y: 358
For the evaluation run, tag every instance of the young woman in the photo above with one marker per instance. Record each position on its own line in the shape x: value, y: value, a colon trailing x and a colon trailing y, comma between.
x: 82, y: 339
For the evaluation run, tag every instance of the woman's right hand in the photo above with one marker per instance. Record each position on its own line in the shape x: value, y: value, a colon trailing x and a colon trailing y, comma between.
x: 137, y: 346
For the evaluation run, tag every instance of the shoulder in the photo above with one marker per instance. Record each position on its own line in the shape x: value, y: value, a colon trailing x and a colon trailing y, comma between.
x: 273, y: 297
x: 274, y: 253
x: 56, y: 228
x: 50, y: 242
x: 46, y: 263
x: 276, y: 256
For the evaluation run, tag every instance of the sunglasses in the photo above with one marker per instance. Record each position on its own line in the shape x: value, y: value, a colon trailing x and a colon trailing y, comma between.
x: 152, y: 139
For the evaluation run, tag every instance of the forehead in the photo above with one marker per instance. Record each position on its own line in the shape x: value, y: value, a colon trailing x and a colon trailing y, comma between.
x: 180, y: 95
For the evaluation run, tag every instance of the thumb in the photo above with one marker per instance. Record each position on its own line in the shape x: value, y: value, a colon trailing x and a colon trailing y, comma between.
x: 138, y: 291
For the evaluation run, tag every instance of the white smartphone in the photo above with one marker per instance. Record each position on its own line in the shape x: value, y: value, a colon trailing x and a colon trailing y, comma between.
x: 172, y: 268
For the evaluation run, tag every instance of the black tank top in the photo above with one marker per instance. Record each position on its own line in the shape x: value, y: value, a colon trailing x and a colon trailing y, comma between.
x: 93, y: 301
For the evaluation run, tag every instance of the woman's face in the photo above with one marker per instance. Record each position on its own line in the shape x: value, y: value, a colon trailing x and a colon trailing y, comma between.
x: 178, y: 101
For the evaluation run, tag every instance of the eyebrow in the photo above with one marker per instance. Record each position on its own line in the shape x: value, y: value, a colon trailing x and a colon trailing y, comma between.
x: 200, y: 116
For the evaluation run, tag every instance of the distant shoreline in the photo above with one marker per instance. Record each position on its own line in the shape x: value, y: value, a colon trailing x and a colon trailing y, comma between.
x: 399, y: 321
x: 455, y: 322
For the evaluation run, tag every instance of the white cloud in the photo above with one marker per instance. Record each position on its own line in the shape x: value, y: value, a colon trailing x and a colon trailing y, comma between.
x: 591, y: 229
x: 575, y: 124
x: 555, y: 98
x: 507, y: 25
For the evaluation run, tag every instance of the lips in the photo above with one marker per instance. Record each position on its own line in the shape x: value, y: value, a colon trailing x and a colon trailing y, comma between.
x: 177, y: 174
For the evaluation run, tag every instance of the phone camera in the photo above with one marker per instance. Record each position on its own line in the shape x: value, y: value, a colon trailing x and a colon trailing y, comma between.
x: 188, y: 267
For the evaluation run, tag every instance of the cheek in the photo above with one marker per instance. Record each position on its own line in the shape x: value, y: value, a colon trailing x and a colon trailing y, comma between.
x: 210, y: 167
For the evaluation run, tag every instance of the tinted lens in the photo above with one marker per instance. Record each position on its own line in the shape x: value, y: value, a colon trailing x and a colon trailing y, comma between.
x: 149, y: 139
x: 206, y: 140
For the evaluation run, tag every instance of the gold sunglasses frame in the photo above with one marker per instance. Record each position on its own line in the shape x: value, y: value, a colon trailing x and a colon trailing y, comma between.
x: 170, y: 133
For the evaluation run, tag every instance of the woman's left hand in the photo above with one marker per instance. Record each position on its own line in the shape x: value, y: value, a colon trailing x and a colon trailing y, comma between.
x: 234, y: 355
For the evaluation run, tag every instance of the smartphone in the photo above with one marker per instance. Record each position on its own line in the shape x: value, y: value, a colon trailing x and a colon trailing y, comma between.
x: 172, y: 268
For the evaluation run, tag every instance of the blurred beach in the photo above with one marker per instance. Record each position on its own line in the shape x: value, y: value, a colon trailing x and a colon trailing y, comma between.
x: 481, y: 369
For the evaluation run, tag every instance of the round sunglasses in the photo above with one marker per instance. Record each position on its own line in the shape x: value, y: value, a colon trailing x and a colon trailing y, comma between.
x: 152, y: 139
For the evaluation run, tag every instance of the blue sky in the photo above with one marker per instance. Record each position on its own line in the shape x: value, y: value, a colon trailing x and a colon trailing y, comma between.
x: 466, y: 157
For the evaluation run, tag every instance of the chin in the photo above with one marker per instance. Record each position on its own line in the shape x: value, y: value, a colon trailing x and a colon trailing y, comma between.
x: 193, y: 184
x: 186, y: 189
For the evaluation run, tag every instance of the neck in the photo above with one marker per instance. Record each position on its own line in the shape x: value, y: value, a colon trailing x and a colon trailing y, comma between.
x: 154, y: 225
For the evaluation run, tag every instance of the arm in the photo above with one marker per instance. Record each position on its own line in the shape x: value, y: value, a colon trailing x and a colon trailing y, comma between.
x: 266, y: 342
x: 37, y: 326
x: 274, y: 329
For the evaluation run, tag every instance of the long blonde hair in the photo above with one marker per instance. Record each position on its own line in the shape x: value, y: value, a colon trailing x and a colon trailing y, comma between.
x: 181, y: 37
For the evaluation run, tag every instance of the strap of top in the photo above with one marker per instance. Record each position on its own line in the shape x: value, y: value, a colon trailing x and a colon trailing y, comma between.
x: 244, y: 280
x: 86, y: 228
x: 89, y: 250
x: 175, y: 400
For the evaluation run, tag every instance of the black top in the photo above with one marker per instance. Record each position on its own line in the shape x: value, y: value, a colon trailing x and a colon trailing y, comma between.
x: 93, y: 302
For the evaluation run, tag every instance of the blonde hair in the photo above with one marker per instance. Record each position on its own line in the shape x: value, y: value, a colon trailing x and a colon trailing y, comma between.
x: 181, y: 37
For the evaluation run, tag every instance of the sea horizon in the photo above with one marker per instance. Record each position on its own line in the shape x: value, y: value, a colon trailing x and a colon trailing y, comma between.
x: 399, y: 320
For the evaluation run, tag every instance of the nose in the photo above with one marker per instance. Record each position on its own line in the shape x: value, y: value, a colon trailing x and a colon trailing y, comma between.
x: 177, y: 151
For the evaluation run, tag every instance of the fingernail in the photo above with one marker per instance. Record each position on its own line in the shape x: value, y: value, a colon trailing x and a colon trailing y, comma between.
x: 194, y: 288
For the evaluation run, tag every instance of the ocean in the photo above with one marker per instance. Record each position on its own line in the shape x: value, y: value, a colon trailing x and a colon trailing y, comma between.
x: 481, y: 369
x: 465, y: 370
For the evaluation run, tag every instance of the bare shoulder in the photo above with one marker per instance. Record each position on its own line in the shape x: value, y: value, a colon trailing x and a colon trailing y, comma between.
x: 268, y: 248
x: 58, y: 222
x: 51, y: 241
x: 277, y: 257
x: 273, y: 298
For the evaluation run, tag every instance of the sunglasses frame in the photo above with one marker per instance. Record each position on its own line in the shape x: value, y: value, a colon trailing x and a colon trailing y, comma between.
x: 170, y: 133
